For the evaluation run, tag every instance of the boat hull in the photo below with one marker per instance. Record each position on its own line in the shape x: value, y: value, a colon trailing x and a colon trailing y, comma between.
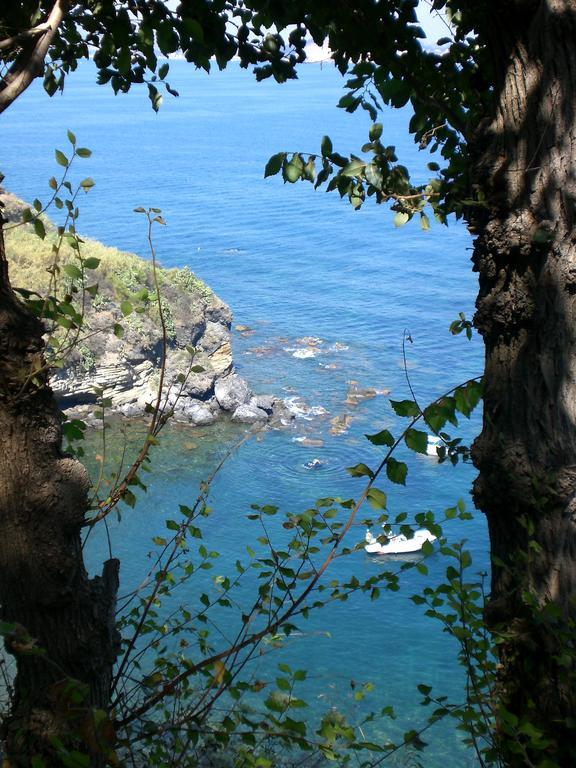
x: 398, y: 545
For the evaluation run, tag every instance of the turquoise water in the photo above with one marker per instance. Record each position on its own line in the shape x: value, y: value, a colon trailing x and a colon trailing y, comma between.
x: 292, y: 263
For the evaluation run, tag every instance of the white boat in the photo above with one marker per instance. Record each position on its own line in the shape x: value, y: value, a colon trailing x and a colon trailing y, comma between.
x: 398, y: 544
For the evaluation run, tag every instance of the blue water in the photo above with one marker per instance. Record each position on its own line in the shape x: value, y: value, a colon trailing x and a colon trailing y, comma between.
x: 291, y: 263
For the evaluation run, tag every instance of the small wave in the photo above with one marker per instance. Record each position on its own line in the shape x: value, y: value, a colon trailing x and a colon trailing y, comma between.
x: 302, y: 354
x: 302, y: 410
x: 311, y: 346
x: 310, y: 341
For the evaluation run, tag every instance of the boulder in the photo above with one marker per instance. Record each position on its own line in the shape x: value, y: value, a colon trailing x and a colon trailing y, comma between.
x: 265, y: 402
x: 232, y: 392
x: 249, y: 414
x: 221, y: 359
x: 130, y: 410
x: 197, y: 413
x: 281, y: 416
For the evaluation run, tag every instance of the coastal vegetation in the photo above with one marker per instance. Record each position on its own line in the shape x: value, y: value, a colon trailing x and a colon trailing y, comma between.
x: 108, y: 334
x: 495, y: 104
x: 121, y: 276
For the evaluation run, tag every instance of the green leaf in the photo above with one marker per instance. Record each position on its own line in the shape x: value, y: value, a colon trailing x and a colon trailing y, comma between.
x: 155, y: 97
x: 72, y: 271
x: 166, y: 37
x: 382, y: 438
x: 427, y: 548
x: 338, y: 160
x: 87, y: 183
x: 374, y: 175
x: 353, y: 168
x: 396, y: 471
x: 293, y: 170
x: 376, y: 498
x: 163, y: 70
x: 424, y: 222
x: 401, y: 218
x: 360, y: 470
x: 309, y: 171
x: 274, y: 164
x: 118, y: 330
x: 283, y: 684
x: 61, y: 158
x: 71, y: 137
x: 326, y: 146
x: 39, y: 228
x: 405, y: 408
x: 91, y: 262
x: 416, y: 440
x: 375, y: 131
x: 126, y: 308
x: 65, y: 322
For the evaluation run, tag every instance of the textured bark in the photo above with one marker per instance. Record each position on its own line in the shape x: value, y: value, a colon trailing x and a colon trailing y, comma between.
x: 44, y: 588
x: 29, y: 63
x: 525, y: 253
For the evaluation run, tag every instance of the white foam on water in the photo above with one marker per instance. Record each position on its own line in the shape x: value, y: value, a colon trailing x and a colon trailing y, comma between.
x: 302, y: 410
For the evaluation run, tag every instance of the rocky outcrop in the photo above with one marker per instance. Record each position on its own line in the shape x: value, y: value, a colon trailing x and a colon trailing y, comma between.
x: 118, y: 352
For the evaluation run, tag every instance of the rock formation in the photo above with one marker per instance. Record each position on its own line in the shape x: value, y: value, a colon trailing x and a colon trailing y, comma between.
x: 119, y: 352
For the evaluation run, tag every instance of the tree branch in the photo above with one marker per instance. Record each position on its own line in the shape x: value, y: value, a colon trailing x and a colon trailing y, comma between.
x: 30, y: 62
x: 22, y: 37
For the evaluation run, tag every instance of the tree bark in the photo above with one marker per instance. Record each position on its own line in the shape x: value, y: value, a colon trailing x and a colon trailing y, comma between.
x: 525, y: 253
x: 63, y: 640
x: 29, y: 64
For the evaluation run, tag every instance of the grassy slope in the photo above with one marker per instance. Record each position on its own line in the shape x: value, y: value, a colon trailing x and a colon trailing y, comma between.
x: 120, y: 276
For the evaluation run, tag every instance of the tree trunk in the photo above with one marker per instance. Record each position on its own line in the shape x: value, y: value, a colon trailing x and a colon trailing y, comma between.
x: 64, y: 640
x: 525, y: 253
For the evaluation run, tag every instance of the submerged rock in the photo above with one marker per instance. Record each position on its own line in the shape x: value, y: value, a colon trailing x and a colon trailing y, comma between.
x: 340, y: 424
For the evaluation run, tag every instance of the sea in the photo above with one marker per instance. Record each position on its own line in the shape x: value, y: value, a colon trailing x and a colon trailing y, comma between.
x: 327, y: 301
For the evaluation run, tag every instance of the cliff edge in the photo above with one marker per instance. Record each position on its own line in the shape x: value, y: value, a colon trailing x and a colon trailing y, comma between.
x: 119, y: 349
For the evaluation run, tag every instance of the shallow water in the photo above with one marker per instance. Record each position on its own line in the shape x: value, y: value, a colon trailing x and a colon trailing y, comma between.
x: 326, y: 294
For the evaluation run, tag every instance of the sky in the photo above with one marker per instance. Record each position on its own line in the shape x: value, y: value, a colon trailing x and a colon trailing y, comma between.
x: 433, y: 23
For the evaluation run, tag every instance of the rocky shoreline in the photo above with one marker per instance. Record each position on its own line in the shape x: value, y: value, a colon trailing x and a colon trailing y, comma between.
x: 229, y: 396
x: 124, y: 365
